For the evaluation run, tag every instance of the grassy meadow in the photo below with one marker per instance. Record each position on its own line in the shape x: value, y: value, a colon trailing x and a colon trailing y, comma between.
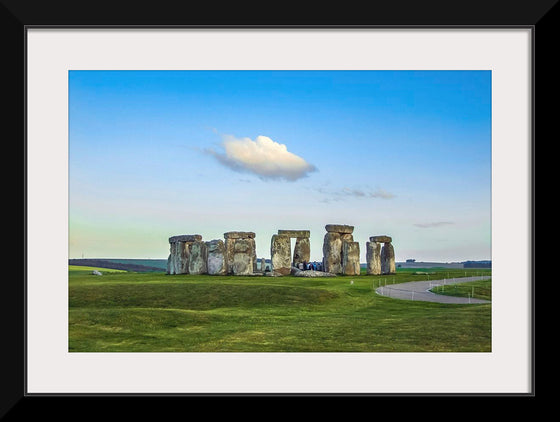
x: 153, y: 312
x: 475, y: 289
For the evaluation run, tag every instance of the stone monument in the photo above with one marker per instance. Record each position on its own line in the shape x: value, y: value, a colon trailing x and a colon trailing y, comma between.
x: 380, y: 260
x: 341, y: 255
x: 216, y: 261
x: 241, y: 253
x: 281, y: 253
x: 179, y: 253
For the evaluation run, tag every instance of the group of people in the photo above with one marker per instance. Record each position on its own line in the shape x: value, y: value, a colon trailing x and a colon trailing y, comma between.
x: 316, y: 266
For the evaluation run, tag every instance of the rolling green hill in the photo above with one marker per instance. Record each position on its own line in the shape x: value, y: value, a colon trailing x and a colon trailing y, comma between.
x: 154, y: 312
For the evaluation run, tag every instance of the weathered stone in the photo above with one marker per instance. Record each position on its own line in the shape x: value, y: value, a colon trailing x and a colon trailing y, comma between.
x: 332, y: 250
x: 242, y: 246
x: 185, y: 238
x: 178, y: 260
x: 381, y: 239
x: 263, y: 265
x: 310, y: 273
x: 373, y: 258
x: 216, y: 262
x: 253, y: 247
x: 242, y: 257
x: 184, y: 256
x: 198, y: 258
x: 239, y: 235
x: 229, y: 244
x: 171, y: 259
x: 302, y: 250
x: 387, y: 259
x: 281, y: 271
x: 350, y: 258
x: 339, y: 228
x: 242, y: 264
x: 347, y: 237
x: 294, y: 233
x: 280, y: 254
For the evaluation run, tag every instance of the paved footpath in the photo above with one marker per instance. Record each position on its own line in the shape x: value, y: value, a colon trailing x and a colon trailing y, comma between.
x: 419, y: 290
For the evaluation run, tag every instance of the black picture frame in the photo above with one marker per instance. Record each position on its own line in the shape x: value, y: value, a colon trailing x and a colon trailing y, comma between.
x: 19, y: 15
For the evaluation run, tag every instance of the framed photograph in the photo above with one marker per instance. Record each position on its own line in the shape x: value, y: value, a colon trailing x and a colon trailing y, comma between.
x: 137, y: 135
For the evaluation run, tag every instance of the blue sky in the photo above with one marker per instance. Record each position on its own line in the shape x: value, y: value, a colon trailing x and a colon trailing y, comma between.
x: 159, y: 153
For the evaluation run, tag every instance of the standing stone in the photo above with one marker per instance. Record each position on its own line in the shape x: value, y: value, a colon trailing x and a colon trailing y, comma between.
x: 183, y: 252
x: 247, y: 240
x: 332, y: 251
x: 387, y: 259
x: 229, y: 243
x: 263, y: 265
x: 198, y: 258
x: 178, y: 260
x: 253, y: 250
x: 171, y: 259
x: 302, y: 250
x: 350, y: 258
x: 347, y: 237
x: 242, y: 257
x: 373, y: 258
x: 280, y: 253
x: 216, y: 257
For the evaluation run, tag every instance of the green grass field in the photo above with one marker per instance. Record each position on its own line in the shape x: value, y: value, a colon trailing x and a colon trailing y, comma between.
x: 476, y: 289
x: 155, y: 312
x: 72, y: 269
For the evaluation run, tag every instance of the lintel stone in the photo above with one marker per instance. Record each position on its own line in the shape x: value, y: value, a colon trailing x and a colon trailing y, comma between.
x: 294, y: 233
x: 339, y: 228
x: 381, y: 239
x: 239, y: 235
x: 185, y: 238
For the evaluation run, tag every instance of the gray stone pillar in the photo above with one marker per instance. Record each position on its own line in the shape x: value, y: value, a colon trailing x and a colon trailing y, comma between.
x: 350, y: 258
x: 171, y: 259
x: 238, y: 244
x: 216, y: 257
x: 280, y: 254
x: 387, y: 259
x: 242, y: 257
x: 183, y: 257
x: 332, y: 253
x: 198, y: 258
x: 373, y: 258
x: 179, y: 253
x: 302, y: 250
x: 253, y: 254
x: 228, y: 245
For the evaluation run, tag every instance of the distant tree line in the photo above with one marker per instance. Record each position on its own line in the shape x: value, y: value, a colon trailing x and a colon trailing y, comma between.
x: 102, y: 263
x: 477, y: 264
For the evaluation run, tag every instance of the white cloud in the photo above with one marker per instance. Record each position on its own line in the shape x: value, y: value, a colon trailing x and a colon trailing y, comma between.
x: 380, y: 193
x: 338, y: 195
x: 263, y: 157
x: 434, y: 224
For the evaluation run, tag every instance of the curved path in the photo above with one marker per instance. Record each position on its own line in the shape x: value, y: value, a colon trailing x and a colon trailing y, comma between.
x: 419, y: 290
